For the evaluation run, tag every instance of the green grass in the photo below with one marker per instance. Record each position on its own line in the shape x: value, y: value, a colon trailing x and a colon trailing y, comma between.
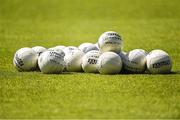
x: 143, y: 24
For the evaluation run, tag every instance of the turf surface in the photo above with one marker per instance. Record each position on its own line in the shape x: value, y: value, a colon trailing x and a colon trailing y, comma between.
x: 143, y: 24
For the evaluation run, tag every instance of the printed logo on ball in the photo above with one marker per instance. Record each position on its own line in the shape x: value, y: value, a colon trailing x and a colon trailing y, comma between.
x: 160, y: 64
x: 113, y: 34
x: 92, y: 61
x: 56, y: 55
x: 18, y: 61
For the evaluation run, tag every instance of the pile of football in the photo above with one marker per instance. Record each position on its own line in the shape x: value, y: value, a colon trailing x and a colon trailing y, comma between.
x: 104, y: 57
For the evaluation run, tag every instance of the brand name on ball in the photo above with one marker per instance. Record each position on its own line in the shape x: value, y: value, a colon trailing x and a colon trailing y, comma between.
x: 92, y: 61
x: 57, y: 55
x: 71, y: 48
x: 112, y: 37
x: 113, y: 34
x: 133, y: 69
x: 19, y: 61
x: 160, y: 64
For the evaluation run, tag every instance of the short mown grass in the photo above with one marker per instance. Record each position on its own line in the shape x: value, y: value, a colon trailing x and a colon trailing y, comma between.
x: 142, y: 23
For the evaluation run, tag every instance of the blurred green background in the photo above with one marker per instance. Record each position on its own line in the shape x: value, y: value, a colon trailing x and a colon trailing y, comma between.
x: 146, y: 24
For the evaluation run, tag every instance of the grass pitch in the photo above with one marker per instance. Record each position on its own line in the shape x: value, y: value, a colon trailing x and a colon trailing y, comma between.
x: 142, y: 23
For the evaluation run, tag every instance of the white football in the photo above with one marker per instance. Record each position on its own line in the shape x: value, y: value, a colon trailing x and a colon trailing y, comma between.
x: 39, y: 49
x: 158, y: 61
x: 25, y: 59
x: 51, y: 62
x: 135, y: 61
x: 109, y: 63
x: 110, y: 41
x: 86, y: 47
x: 73, y: 60
x: 89, y: 62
